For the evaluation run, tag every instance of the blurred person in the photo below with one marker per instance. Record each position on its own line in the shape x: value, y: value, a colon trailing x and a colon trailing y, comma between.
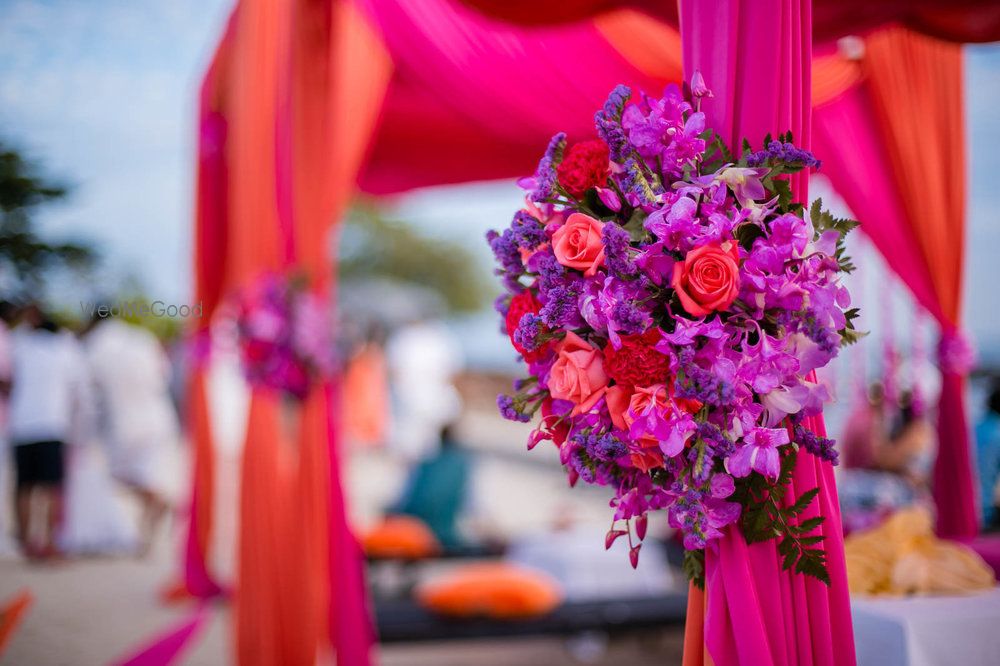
x: 8, y: 317
x: 865, y: 430
x: 423, y: 359
x: 909, y: 450
x: 887, y: 463
x: 138, y: 420
x: 46, y: 384
x: 437, y: 490
x: 95, y: 520
x: 988, y: 457
x: 366, y: 385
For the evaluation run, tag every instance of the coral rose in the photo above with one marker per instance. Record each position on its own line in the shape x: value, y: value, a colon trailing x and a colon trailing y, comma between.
x: 585, y: 165
x: 708, y: 280
x: 577, y: 244
x: 578, y: 374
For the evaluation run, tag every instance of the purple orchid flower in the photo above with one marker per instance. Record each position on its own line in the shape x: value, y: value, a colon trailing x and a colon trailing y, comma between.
x: 758, y: 453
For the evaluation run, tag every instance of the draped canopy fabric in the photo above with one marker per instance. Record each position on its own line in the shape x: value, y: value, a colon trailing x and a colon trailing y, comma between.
x: 308, y: 100
x: 756, y: 612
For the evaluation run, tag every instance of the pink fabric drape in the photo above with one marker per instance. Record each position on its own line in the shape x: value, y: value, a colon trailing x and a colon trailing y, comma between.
x: 168, y: 647
x: 756, y: 57
x: 472, y: 98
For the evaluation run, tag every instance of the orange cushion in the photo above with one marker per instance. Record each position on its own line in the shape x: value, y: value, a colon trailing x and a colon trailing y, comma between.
x: 403, y: 537
x: 500, y: 591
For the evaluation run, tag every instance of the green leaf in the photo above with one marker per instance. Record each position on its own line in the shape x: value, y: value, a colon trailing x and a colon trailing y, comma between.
x: 783, y: 189
x: 807, y: 526
x: 812, y: 564
x: 694, y: 567
x: 746, y: 234
x: 803, y: 501
x: 636, y: 231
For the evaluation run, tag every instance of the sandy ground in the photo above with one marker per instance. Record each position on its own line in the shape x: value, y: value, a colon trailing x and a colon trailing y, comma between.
x: 98, y: 611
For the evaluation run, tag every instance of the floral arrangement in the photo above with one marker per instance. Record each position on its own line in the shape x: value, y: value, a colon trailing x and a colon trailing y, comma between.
x: 672, y: 301
x: 284, y: 335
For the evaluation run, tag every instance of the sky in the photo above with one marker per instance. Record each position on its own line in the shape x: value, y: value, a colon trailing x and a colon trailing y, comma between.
x: 104, y: 94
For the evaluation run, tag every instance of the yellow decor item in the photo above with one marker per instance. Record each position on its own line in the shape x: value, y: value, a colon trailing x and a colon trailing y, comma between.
x: 903, y: 557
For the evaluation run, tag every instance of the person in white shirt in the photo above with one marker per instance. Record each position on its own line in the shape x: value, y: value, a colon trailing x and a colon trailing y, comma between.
x: 131, y: 373
x: 46, y: 380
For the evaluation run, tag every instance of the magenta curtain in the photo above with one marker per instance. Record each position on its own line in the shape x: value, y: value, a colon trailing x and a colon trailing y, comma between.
x: 756, y: 56
x: 472, y: 98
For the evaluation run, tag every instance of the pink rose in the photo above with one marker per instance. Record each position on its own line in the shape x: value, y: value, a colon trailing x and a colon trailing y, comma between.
x: 578, y: 374
x: 577, y: 244
x: 645, y: 454
x: 617, y: 399
x: 708, y: 279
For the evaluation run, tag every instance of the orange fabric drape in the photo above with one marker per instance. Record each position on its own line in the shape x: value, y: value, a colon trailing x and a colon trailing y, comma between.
x: 651, y: 46
x: 254, y: 238
x: 695, y: 653
x: 915, y: 84
x: 273, y: 620
x: 11, y: 615
x: 303, y: 107
x: 335, y: 98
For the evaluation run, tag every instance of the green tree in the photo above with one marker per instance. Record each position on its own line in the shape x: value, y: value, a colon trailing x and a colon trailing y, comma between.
x: 25, y: 258
x: 372, y: 247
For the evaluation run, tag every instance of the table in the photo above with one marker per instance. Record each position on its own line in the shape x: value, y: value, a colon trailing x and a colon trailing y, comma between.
x: 928, y: 631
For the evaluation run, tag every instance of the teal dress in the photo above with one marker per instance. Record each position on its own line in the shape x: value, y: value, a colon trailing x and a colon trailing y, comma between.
x: 436, y: 493
x: 988, y: 463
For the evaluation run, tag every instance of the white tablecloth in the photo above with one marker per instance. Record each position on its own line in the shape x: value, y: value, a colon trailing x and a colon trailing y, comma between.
x: 928, y: 631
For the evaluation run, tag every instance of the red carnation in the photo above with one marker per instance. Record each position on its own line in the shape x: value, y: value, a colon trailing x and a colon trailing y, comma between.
x: 521, y: 305
x: 585, y: 165
x: 637, y: 363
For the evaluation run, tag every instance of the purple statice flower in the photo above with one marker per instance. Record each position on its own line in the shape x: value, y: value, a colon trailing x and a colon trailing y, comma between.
x: 702, y: 385
x: 821, y: 447
x: 637, y: 189
x: 787, y: 153
x: 608, y: 447
x: 560, y: 309
x: 502, y: 305
x: 509, y: 410
x: 609, y: 123
x: 528, y: 232
x: 759, y: 453
x: 506, y: 251
x: 529, y: 331
x: 542, y: 185
x: 612, y: 306
x: 618, y: 251
x: 551, y: 273
x: 628, y: 318
x: 716, y: 443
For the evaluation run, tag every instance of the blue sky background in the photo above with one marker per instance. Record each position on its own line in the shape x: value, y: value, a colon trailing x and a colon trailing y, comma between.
x: 104, y: 92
